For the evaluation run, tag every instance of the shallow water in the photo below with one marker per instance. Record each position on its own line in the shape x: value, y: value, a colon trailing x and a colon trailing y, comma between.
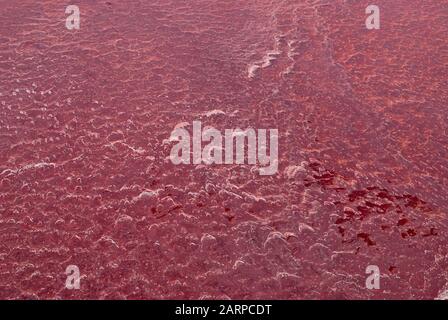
x: 85, y: 179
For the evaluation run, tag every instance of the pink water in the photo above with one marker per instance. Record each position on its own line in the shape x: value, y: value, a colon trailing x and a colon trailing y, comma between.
x: 363, y: 127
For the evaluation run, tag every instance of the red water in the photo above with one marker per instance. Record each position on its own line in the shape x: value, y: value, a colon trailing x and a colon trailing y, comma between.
x: 363, y: 129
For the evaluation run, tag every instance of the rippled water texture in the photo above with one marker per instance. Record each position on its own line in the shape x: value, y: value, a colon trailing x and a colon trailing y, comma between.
x: 85, y: 177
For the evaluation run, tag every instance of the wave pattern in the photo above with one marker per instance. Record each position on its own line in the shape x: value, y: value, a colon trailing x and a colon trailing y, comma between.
x: 84, y: 175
